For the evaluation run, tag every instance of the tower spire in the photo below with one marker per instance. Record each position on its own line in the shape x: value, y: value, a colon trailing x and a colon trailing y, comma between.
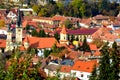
x: 19, y: 19
x: 9, y: 25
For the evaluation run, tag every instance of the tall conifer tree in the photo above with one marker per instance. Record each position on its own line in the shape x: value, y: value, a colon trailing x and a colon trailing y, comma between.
x: 115, y: 63
x: 104, y: 68
x: 94, y: 74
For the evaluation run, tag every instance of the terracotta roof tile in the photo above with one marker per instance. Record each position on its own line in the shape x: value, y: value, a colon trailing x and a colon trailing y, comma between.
x: 59, y: 18
x: 36, y: 42
x: 101, y: 17
x: 22, y: 48
x: 64, y: 31
x: 65, y: 69
x: 97, y: 53
x: 93, y: 46
x: 80, y: 31
x: 87, y: 54
x: 74, y: 54
x: 84, y: 66
x: 2, y: 43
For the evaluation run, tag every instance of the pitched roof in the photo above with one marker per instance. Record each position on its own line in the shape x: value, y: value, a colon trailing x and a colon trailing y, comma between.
x: 74, y: 54
x: 36, y: 42
x: 93, y: 46
x: 100, y: 32
x: 80, y: 31
x: 2, y: 43
x: 86, y: 21
x: 87, y: 54
x: 52, y: 67
x: 84, y: 66
x: 101, y: 17
x: 64, y: 31
x: 97, y: 53
x: 59, y: 18
x: 65, y: 69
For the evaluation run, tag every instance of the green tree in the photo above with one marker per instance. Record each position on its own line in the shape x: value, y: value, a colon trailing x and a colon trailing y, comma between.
x: 104, y: 68
x: 46, y: 53
x: 54, y: 48
x: 42, y: 33
x: 22, y: 69
x: 115, y: 69
x: 78, y: 7
x: 2, y: 66
x: 68, y: 24
x: 43, y: 12
x: 36, y: 9
x: 94, y: 74
x: 85, y: 46
x: 102, y: 5
x: 34, y: 32
x: 57, y: 36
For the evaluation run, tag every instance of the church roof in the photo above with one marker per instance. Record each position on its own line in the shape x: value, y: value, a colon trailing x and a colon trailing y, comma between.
x: 19, y: 19
x: 36, y: 42
x: 78, y: 31
x: 64, y: 30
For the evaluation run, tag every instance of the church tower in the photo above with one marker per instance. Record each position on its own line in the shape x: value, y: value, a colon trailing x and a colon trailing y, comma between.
x: 64, y: 36
x: 19, y: 29
x: 9, y: 44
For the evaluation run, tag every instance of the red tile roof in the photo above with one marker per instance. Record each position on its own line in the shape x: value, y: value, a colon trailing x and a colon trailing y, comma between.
x: 74, y: 54
x: 87, y: 54
x: 59, y: 18
x: 84, y: 66
x: 86, y: 21
x: 65, y: 69
x: 22, y: 48
x: 64, y: 31
x: 101, y: 17
x: 93, y: 46
x: 97, y: 53
x: 100, y: 32
x: 2, y: 43
x: 36, y: 42
x: 80, y: 31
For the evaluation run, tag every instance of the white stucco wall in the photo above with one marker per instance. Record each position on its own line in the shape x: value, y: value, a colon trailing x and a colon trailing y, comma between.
x: 79, y: 73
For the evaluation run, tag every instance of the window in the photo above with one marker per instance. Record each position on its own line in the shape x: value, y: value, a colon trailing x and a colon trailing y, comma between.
x: 88, y: 76
x: 81, y: 75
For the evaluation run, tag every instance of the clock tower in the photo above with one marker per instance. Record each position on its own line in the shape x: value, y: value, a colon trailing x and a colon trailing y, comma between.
x: 64, y: 36
x: 9, y: 44
x: 19, y: 29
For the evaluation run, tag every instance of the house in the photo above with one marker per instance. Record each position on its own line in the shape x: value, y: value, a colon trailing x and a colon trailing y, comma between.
x: 57, y: 19
x: 78, y: 33
x: 51, y: 69
x: 105, y: 35
x: 85, y: 22
x: 39, y: 43
x: 65, y: 71
x: 43, y: 20
x: 11, y: 15
x: 100, y: 20
x: 83, y: 69
x: 2, y: 45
